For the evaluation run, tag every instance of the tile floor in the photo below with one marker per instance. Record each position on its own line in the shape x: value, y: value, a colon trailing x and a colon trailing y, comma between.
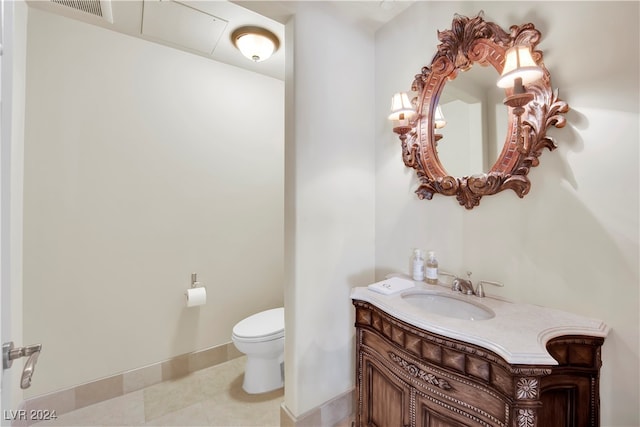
x: 209, y: 397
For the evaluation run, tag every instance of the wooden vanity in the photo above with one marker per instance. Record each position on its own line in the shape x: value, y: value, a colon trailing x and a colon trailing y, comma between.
x: 408, y: 375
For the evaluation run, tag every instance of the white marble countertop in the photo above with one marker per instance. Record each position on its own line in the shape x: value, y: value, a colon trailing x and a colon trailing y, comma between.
x: 518, y: 332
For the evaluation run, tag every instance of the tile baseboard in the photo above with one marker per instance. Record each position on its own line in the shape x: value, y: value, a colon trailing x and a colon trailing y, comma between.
x: 86, y: 394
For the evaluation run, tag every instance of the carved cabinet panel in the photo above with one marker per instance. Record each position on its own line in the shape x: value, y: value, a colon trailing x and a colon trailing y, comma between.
x: 388, y: 403
x: 410, y: 377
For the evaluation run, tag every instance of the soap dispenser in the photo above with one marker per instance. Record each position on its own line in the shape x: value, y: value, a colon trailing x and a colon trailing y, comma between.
x: 432, y: 268
x: 418, y: 265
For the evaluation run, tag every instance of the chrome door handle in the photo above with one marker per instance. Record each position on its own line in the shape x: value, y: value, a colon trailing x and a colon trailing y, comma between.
x: 10, y: 353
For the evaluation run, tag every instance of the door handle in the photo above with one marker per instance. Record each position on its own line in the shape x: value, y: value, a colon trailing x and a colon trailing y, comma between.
x: 10, y: 353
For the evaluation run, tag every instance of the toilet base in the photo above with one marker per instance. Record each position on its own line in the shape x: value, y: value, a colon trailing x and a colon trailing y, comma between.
x: 262, y: 374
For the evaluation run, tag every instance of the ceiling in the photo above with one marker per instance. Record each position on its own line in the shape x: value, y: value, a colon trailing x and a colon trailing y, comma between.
x: 203, y: 27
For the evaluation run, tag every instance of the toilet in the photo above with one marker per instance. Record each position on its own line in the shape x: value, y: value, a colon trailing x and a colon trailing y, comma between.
x: 261, y: 338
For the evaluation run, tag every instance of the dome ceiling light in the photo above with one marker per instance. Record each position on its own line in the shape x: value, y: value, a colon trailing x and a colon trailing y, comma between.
x: 255, y: 43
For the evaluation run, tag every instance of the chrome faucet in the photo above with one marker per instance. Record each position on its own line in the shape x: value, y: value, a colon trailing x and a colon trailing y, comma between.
x: 463, y: 285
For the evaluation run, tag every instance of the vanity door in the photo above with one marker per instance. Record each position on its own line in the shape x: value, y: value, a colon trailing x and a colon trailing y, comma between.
x: 387, y: 399
x: 561, y: 398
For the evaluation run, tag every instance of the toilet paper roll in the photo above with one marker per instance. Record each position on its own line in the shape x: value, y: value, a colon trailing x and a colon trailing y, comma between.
x: 196, y: 296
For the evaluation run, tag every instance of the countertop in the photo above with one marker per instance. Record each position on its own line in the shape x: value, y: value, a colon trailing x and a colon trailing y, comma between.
x: 518, y: 332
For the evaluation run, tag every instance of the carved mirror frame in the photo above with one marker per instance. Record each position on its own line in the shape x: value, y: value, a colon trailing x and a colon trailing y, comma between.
x: 475, y: 41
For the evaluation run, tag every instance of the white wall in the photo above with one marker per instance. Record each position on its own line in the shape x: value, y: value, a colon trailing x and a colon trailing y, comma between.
x: 143, y: 164
x: 572, y: 242
x: 330, y: 191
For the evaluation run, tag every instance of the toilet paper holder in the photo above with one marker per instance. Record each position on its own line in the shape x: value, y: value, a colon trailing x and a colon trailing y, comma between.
x: 194, y: 280
x: 196, y: 295
x: 195, y: 283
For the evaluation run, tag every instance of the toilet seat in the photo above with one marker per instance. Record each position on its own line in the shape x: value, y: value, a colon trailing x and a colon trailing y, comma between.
x: 264, y: 326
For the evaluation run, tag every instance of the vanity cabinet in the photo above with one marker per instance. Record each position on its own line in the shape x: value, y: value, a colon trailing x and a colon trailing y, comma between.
x: 406, y: 376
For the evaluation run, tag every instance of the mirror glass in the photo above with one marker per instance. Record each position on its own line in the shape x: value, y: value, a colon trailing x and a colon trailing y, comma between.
x: 477, y: 122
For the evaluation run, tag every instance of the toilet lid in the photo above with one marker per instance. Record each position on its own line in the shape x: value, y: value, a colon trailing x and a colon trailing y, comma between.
x: 264, y: 324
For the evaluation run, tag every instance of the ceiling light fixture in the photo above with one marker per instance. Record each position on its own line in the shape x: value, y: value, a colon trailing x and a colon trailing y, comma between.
x: 255, y: 43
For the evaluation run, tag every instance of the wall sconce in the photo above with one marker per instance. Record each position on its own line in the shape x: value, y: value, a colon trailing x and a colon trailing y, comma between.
x: 519, y: 69
x: 404, y: 116
x: 255, y: 43
x: 402, y: 111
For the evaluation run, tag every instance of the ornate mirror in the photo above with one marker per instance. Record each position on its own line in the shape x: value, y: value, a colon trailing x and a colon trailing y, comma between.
x: 530, y: 104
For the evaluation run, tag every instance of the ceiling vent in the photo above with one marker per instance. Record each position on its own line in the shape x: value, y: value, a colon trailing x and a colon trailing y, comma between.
x: 99, y: 8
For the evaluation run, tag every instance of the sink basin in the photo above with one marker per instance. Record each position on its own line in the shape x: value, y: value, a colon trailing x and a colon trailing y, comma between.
x: 448, y: 305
